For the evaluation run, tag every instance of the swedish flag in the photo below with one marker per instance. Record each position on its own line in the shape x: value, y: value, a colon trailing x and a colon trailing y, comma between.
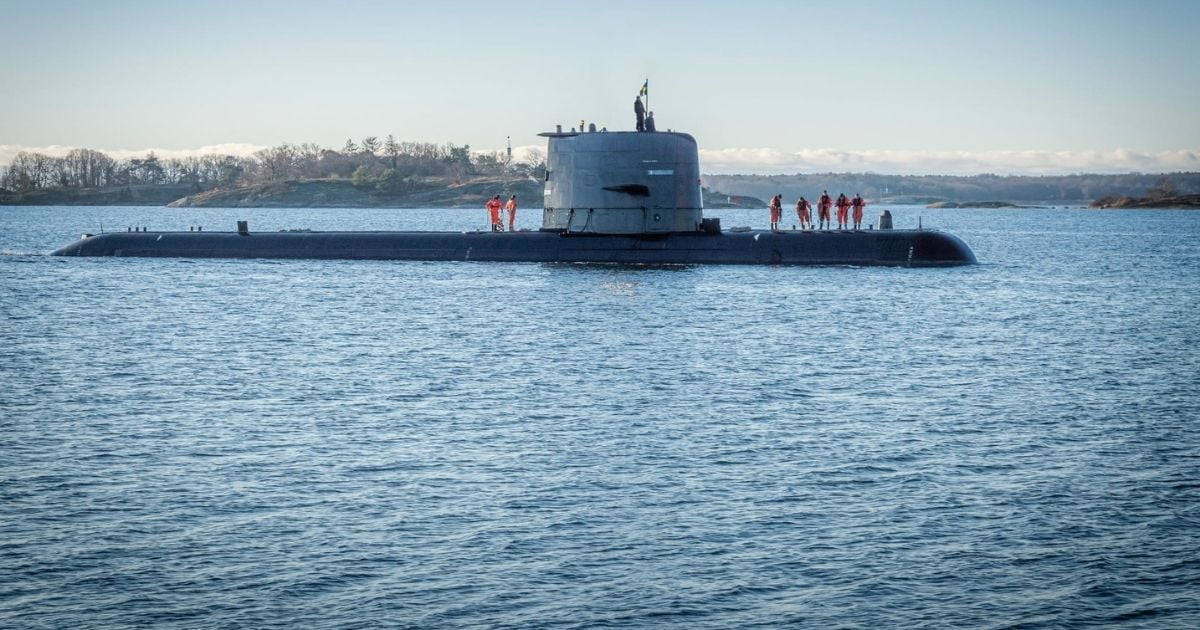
x: 645, y: 88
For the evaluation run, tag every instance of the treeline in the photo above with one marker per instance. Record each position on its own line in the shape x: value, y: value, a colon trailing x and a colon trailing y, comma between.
x: 371, y: 161
x: 987, y: 187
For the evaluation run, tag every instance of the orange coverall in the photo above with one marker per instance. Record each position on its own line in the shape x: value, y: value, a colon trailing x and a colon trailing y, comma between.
x: 802, y: 208
x: 493, y: 208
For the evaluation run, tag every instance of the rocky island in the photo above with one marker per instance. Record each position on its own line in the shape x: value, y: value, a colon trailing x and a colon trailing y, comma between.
x: 1173, y: 201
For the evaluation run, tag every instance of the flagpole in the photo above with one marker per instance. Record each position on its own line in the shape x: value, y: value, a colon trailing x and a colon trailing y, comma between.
x: 647, y: 84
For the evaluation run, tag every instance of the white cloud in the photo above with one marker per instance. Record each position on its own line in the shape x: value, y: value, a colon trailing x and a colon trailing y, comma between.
x: 529, y: 153
x: 1032, y: 162
x: 7, y: 151
x: 523, y: 153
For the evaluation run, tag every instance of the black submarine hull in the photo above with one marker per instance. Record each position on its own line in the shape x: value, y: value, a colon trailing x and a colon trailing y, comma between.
x: 916, y: 248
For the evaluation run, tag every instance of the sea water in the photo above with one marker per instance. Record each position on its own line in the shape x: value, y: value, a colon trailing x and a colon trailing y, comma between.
x: 250, y: 443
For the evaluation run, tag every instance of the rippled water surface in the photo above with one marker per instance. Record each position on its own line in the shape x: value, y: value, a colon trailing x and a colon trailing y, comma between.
x: 233, y: 443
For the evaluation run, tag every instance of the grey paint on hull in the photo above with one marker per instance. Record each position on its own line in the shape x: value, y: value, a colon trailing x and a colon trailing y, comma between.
x: 878, y: 247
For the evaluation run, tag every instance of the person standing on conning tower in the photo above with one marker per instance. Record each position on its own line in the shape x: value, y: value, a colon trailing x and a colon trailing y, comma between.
x: 511, y: 206
x: 639, y: 110
x: 858, y: 205
x: 776, y: 211
x: 650, y: 122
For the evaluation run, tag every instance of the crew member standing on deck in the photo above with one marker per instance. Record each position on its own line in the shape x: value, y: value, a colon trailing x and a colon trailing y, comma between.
x: 776, y: 211
x: 639, y: 110
x: 858, y: 204
x: 823, y: 205
x: 802, y: 213
x: 650, y: 122
x: 493, y: 210
x: 511, y: 206
x: 843, y: 205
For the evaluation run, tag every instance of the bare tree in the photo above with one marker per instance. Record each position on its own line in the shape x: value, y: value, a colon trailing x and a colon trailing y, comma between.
x: 278, y: 162
x: 25, y: 171
x: 87, y: 168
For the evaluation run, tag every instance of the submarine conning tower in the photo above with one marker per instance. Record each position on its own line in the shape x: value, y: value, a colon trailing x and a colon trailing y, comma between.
x: 622, y: 182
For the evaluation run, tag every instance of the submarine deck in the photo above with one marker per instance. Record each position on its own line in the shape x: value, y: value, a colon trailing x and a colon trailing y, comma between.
x: 917, y: 248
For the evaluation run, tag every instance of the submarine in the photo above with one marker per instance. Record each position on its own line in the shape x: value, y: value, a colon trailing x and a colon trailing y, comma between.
x: 625, y: 197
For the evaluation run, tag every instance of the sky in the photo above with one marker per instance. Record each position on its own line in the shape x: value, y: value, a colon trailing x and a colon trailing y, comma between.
x: 918, y: 86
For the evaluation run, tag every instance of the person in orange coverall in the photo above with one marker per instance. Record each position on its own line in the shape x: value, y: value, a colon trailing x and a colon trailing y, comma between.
x: 511, y: 206
x: 493, y: 210
x: 823, y: 205
x: 858, y: 205
x: 776, y: 211
x: 802, y: 213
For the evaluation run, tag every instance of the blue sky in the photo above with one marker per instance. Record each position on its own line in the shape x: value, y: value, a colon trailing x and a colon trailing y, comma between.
x: 764, y: 86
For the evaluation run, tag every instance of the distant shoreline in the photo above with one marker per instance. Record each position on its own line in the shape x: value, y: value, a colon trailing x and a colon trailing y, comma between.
x: 319, y: 193
x: 383, y: 173
x: 445, y: 192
